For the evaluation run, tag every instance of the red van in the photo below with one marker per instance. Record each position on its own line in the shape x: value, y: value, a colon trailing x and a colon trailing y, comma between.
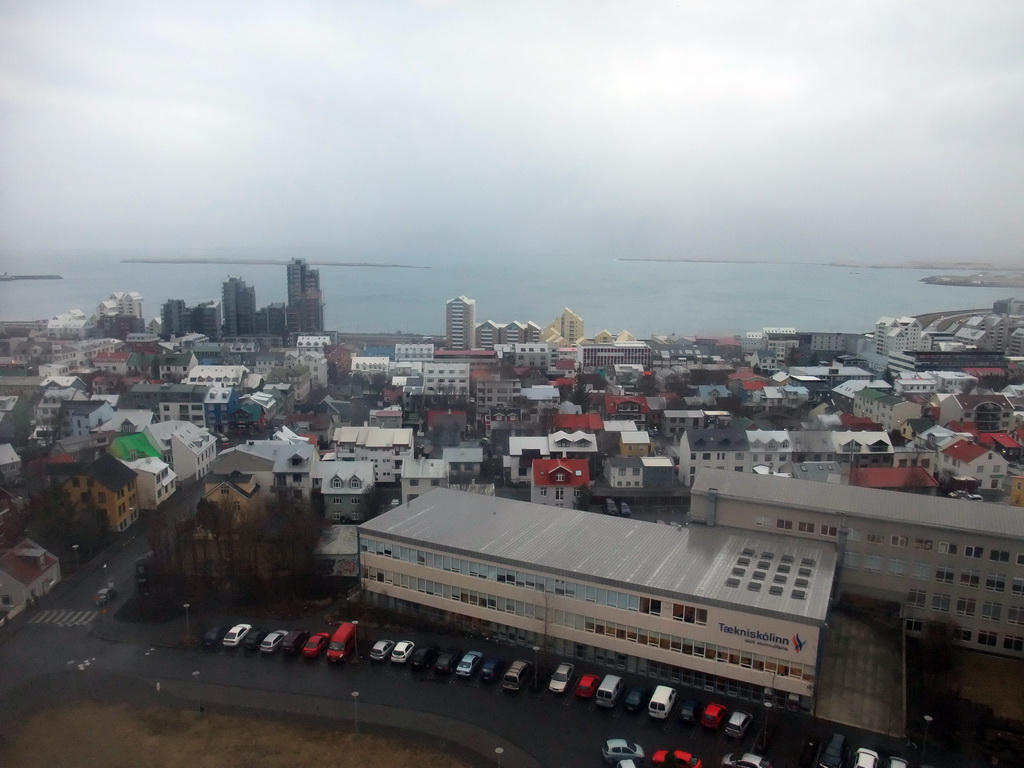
x: 342, y: 642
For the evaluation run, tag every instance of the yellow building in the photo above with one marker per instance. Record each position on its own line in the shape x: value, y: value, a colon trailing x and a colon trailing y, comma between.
x: 1017, y: 490
x: 108, y: 485
x: 238, y: 492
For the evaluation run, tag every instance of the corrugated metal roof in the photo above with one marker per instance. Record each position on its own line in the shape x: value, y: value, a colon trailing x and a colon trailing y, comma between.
x: 686, y: 563
x: 891, y: 506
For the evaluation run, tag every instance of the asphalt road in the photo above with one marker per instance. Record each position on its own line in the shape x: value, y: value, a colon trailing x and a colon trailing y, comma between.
x: 556, y: 730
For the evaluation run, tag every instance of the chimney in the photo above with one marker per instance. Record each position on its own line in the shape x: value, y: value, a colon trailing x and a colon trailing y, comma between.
x: 712, y: 516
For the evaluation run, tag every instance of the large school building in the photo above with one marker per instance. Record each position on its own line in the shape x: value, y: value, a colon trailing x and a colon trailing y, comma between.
x: 938, y: 560
x: 741, y: 612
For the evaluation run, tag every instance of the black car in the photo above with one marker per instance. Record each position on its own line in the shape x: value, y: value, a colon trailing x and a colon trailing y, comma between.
x: 424, y: 656
x: 253, y: 639
x: 636, y: 698
x: 690, y: 711
x: 294, y: 641
x: 809, y: 753
x: 833, y: 752
x: 492, y: 669
x: 447, y: 661
x: 214, y: 636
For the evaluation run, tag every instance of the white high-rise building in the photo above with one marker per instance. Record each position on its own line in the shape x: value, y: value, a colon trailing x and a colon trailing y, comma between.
x: 460, y: 322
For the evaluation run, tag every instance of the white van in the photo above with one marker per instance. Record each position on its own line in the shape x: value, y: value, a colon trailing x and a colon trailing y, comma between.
x: 610, y: 691
x: 662, y: 701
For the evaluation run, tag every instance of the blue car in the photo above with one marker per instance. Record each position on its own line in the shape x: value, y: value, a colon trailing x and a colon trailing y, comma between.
x: 491, y: 669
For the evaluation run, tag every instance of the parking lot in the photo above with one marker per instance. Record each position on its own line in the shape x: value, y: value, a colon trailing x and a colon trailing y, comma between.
x: 531, y: 711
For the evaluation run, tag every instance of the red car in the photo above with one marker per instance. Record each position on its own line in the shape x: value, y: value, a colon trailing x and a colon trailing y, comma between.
x: 587, y: 686
x: 315, y: 645
x: 679, y: 758
x: 713, y: 716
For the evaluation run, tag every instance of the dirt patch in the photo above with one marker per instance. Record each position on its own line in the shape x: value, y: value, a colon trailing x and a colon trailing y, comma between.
x: 993, y: 681
x: 112, y: 736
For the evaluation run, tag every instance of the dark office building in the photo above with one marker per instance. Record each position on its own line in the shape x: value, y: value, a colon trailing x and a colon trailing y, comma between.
x: 305, y: 299
x: 239, y: 308
x: 206, y: 319
x: 272, y: 320
x: 175, y: 319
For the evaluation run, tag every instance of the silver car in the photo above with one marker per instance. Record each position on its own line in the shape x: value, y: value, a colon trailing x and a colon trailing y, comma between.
x: 562, y: 678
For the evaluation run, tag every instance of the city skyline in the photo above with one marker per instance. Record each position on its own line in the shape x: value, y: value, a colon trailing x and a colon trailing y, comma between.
x: 429, y: 132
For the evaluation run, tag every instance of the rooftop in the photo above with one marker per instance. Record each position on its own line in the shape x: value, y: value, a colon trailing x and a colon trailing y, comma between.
x: 694, y: 562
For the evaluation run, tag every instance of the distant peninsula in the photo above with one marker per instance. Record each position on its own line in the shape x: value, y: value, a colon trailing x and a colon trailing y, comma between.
x: 979, y: 280
x: 922, y: 265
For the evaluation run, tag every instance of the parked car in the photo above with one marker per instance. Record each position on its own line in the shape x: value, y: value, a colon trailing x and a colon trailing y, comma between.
x: 690, y: 711
x: 833, y: 752
x: 294, y: 640
x: 865, y: 758
x: 253, y: 639
x: 469, y: 664
x: 713, y: 716
x: 315, y: 645
x: 214, y: 636
x: 236, y: 635
x: 561, y: 678
x: 491, y: 669
x: 809, y: 752
x: 381, y: 650
x: 746, y: 760
x: 424, y: 656
x: 620, y: 749
x: 273, y: 641
x: 678, y: 759
x: 403, y: 650
x: 587, y: 686
x: 636, y: 698
x: 517, y: 676
x: 965, y: 495
x: 105, y: 596
x: 448, y: 659
x: 738, y: 724
x: 624, y: 509
x: 897, y: 762
x: 610, y: 507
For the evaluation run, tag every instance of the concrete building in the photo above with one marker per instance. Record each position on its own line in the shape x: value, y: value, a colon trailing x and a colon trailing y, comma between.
x: 899, y: 334
x: 388, y: 449
x: 938, y: 560
x: 414, y: 352
x: 737, y: 612
x: 445, y: 377
x: 238, y: 302
x: 460, y: 322
x: 343, y: 486
x: 421, y: 475
x: 305, y: 309
x: 566, y: 329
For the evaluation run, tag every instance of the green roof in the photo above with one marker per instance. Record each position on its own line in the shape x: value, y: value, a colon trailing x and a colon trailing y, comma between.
x: 132, y: 447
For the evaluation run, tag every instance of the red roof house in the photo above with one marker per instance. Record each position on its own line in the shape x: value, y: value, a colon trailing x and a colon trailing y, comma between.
x: 558, y: 482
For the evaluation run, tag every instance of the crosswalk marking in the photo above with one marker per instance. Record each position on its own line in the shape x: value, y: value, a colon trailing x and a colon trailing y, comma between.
x: 64, y: 617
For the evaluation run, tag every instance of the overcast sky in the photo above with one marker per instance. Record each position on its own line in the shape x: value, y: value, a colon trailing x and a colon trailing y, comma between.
x: 409, y: 130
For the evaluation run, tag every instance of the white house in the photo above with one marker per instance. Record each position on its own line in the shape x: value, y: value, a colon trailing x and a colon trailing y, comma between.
x: 420, y: 475
x: 221, y: 375
x: 188, y: 448
x: 444, y: 377
x: 27, y: 572
x: 10, y: 463
x: 154, y: 480
x: 962, y: 458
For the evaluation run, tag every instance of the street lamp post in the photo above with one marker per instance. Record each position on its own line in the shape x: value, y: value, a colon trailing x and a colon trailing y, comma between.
x: 188, y: 634
x: 924, y: 741
x: 195, y: 677
x: 536, y: 667
x: 764, y: 732
x: 498, y: 751
x: 355, y: 655
x: 105, y: 579
x: 355, y: 709
x: 78, y: 560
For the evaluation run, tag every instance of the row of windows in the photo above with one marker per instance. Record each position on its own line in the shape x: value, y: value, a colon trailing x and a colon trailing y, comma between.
x: 683, y: 645
x: 804, y: 527
x: 986, y: 638
x: 968, y: 577
x: 612, y: 598
x: 580, y: 622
